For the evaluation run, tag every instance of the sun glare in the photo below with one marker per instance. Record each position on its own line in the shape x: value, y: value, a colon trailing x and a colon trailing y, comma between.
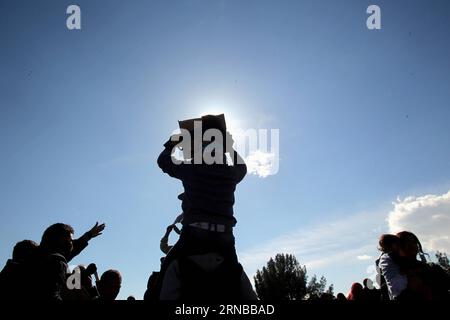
x: 231, y: 117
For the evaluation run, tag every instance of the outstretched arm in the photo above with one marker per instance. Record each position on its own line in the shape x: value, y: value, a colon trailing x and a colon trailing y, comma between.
x: 81, y: 243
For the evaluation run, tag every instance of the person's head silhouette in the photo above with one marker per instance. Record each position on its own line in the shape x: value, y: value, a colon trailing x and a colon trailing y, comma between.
x: 24, y: 251
x: 368, y: 284
x: 410, y: 245
x: 389, y: 243
x: 58, y: 239
x: 109, y: 285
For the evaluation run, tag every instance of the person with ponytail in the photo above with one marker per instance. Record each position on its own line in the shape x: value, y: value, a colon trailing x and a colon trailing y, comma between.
x: 415, y: 270
x: 426, y: 280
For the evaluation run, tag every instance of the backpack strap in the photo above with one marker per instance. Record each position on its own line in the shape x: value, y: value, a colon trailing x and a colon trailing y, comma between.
x: 164, y: 243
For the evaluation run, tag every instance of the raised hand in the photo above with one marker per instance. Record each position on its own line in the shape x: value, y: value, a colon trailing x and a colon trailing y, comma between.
x: 95, y: 231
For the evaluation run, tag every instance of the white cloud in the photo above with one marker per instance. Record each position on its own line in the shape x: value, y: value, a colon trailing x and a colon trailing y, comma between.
x: 261, y: 163
x: 426, y: 216
x: 351, y: 241
x: 322, y: 245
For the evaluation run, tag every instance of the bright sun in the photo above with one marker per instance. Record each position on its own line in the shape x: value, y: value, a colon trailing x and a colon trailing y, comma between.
x: 233, y: 121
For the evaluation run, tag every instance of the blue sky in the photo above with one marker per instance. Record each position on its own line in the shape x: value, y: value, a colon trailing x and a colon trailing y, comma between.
x: 363, y: 118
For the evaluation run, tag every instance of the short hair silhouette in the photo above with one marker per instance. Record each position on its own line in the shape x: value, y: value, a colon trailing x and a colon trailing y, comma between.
x: 368, y: 283
x: 109, y: 285
x: 341, y: 297
x: 111, y: 275
x: 24, y: 250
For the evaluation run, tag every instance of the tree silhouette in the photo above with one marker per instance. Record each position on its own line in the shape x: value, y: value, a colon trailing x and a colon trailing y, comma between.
x: 443, y: 261
x: 315, y: 288
x: 285, y: 279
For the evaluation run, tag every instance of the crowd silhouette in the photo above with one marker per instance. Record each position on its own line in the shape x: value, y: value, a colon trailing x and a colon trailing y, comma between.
x: 41, y: 272
x: 202, y: 265
x: 400, y: 275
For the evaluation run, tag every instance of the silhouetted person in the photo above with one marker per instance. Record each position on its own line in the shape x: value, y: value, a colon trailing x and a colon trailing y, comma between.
x: 341, y: 297
x: 152, y: 292
x: 406, y: 277
x: 208, y: 188
x: 109, y: 285
x: 56, y: 249
x: 392, y: 280
x: 16, y: 274
x: 207, y: 204
x: 417, y: 271
x: 87, y: 290
x: 371, y: 294
x: 356, y: 292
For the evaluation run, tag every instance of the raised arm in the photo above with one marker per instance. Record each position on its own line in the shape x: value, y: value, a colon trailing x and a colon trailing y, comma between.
x: 167, y: 162
x: 81, y: 243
